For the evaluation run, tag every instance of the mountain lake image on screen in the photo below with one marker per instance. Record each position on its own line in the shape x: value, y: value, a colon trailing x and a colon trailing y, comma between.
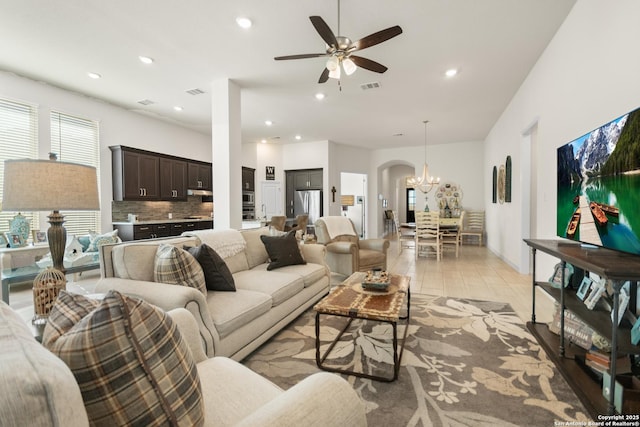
x: 598, y: 178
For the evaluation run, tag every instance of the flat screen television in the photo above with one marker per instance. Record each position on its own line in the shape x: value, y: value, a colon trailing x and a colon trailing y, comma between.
x: 598, y: 178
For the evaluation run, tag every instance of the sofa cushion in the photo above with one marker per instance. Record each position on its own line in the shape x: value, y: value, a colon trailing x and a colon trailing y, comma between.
x: 278, y: 284
x: 38, y: 388
x: 129, y: 360
x: 98, y: 240
x: 283, y: 250
x: 310, y: 272
x: 134, y: 260
x: 231, y: 310
x: 255, y: 250
x: 217, y: 276
x: 176, y: 266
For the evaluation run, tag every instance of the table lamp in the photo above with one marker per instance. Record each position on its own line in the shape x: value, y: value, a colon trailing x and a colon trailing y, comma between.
x: 49, y: 185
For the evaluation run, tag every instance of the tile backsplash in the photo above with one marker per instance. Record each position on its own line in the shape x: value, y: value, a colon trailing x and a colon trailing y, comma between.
x: 156, y: 210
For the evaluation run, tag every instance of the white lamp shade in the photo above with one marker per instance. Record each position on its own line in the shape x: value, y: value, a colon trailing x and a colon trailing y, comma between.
x: 332, y: 63
x: 349, y: 66
x: 47, y: 185
x: 335, y: 74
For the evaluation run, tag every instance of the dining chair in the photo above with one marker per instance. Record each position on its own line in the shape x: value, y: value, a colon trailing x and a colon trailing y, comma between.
x: 405, y: 236
x: 277, y: 222
x: 428, y: 234
x: 473, y: 226
x: 453, y: 236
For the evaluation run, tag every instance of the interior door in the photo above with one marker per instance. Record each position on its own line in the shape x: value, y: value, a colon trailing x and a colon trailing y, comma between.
x: 411, y: 205
x: 271, y: 199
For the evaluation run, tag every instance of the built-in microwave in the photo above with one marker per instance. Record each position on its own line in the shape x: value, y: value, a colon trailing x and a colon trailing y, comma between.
x: 248, y: 198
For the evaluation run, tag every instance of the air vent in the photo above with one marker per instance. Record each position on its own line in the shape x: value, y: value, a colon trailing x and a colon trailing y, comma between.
x: 367, y: 86
x: 146, y: 102
x: 195, y: 91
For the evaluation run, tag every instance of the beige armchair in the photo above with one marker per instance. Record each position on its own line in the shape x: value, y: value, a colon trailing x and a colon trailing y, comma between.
x: 346, y: 253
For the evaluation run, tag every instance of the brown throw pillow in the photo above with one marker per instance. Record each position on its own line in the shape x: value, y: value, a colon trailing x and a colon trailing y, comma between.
x: 129, y: 359
x: 217, y: 275
x: 178, y: 267
x: 282, y: 250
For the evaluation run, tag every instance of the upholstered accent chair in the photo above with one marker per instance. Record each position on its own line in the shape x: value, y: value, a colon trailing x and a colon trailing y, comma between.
x: 346, y: 252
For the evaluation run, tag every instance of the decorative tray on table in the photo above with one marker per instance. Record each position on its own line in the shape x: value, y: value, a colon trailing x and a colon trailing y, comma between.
x: 376, y: 281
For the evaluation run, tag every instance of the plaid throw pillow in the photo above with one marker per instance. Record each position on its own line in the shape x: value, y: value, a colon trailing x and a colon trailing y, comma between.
x: 178, y: 267
x: 129, y: 359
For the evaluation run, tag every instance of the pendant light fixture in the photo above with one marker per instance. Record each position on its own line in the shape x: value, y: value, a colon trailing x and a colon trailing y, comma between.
x: 424, y: 183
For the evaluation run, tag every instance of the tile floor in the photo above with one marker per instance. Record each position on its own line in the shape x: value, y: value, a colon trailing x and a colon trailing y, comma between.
x: 477, y: 274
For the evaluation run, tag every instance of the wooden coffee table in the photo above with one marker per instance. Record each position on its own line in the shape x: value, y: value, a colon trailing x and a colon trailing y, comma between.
x: 350, y: 300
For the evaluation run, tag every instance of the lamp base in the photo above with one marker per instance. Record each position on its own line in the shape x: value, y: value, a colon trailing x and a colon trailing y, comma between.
x: 57, y: 236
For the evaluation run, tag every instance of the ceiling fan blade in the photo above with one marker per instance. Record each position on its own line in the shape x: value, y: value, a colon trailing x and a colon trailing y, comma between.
x: 376, y: 38
x: 324, y: 76
x: 368, y: 64
x: 323, y: 29
x: 301, y: 56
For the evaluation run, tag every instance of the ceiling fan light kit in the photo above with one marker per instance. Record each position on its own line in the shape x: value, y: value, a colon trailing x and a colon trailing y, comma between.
x: 340, y: 49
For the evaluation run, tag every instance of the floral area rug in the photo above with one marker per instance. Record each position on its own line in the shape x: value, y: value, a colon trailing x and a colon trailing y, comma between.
x: 465, y: 363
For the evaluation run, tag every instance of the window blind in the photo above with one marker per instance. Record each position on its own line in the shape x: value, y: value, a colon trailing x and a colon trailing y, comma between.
x: 76, y: 140
x: 18, y: 140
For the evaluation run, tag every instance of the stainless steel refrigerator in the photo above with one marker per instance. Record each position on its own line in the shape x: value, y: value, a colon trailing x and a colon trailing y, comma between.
x: 308, y: 202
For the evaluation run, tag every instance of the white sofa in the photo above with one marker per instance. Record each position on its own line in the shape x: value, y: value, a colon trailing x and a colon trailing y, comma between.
x: 40, y: 390
x: 231, y: 324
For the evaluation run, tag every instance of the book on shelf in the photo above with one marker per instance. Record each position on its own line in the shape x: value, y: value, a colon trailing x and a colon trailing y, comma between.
x: 601, y: 361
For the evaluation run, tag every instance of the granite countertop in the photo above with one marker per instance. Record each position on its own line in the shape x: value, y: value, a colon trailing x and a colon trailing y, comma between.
x: 163, y: 221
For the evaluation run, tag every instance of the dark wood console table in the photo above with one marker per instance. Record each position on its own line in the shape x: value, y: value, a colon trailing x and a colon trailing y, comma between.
x: 619, y: 268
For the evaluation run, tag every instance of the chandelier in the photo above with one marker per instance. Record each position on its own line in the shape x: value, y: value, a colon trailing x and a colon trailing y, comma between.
x: 424, y: 183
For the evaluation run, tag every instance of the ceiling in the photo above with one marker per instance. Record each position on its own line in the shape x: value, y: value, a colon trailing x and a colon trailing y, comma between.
x: 493, y: 44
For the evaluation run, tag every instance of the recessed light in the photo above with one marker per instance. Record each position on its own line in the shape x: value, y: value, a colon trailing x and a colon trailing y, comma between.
x: 264, y: 141
x: 298, y: 137
x: 320, y: 96
x: 145, y: 59
x: 177, y: 108
x: 244, y: 22
x: 94, y: 75
x: 451, y: 72
x: 268, y: 122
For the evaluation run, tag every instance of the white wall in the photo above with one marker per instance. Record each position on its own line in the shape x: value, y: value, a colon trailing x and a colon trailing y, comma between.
x: 117, y: 127
x: 587, y: 76
x: 455, y: 162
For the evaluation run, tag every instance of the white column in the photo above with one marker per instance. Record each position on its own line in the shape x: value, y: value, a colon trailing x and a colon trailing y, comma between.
x: 227, y: 154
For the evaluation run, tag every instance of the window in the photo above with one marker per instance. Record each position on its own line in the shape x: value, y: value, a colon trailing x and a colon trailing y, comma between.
x: 76, y: 140
x: 18, y: 140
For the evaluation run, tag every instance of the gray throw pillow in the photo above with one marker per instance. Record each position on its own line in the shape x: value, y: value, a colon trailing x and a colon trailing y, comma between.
x: 282, y: 250
x: 217, y: 275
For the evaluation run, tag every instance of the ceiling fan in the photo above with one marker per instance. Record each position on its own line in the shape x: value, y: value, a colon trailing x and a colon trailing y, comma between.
x: 340, y: 49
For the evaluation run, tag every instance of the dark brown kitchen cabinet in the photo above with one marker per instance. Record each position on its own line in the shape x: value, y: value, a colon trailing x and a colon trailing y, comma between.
x: 133, y: 231
x: 135, y: 174
x: 200, y: 176
x: 248, y: 179
x: 306, y: 179
x: 173, y: 179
